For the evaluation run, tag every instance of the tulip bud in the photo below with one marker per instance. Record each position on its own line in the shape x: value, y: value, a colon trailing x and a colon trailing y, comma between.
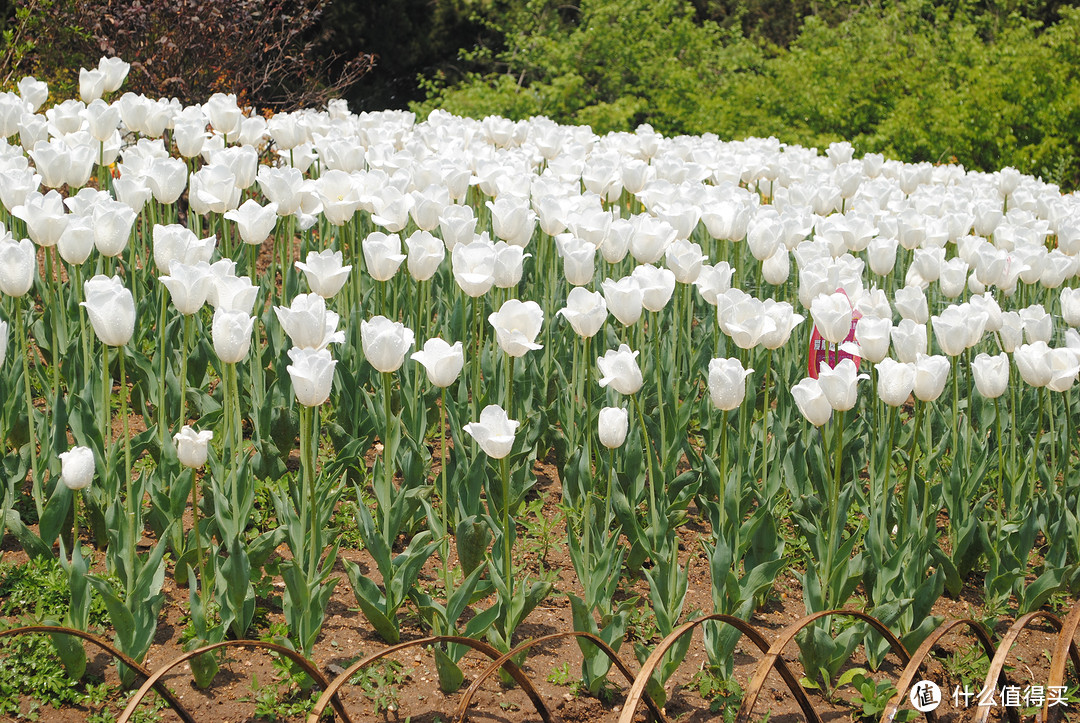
x: 17, y: 265
x: 991, y: 374
x: 111, y: 309
x: 839, y: 384
x: 308, y: 322
x: 385, y: 343
x: 425, y: 255
x: 811, y: 401
x: 931, y: 373
x: 612, y: 426
x: 896, y: 380
x: 312, y: 375
x: 191, y: 446
x: 727, y: 383
x: 832, y: 316
x: 517, y: 324
x: 77, y: 468
x: 231, y: 332
x: 624, y: 299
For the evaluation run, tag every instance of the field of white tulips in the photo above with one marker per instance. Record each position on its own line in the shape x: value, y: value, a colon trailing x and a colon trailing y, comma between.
x: 221, y: 331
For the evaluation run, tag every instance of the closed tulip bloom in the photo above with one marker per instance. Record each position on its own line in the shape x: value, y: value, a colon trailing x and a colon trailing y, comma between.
x: 746, y: 322
x: 585, y: 310
x: 777, y: 268
x: 167, y: 179
x: 832, y: 316
x: 517, y: 324
x: 612, y: 425
x: 254, y: 221
x: 931, y: 372
x: 617, y: 242
x: 839, y: 384
x: 231, y: 333
x: 188, y: 285
x: 473, y: 265
x: 111, y: 309
x: 811, y: 401
x: 457, y: 225
x: 17, y: 264
x: 77, y: 240
x: 579, y: 259
x: 33, y: 91
x: 512, y: 220
x: 991, y: 374
x: 77, y: 468
x: 44, y: 216
x: 910, y: 302
x: 624, y: 299
x: 650, y: 238
x: 232, y: 293
x: 873, y: 337
x: 656, y: 284
x: 874, y: 303
x: 382, y: 255
x: 896, y: 380
x: 619, y: 370
x: 954, y: 273
x: 312, y: 375
x: 385, y: 343
x: 113, y: 222
x: 881, y: 252
x: 324, y: 272
x: 509, y: 264
x: 192, y: 447
x: 909, y: 340
x: 685, y: 259
x: 1038, y: 326
x: 1070, y: 306
x: 426, y: 253
x: 1033, y: 363
x: 441, y: 361
x: 951, y: 330
x: 494, y: 432
x: 308, y: 322
x: 727, y: 383
x: 1011, y: 333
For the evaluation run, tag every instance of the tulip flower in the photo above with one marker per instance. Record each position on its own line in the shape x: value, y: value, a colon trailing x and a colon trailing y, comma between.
x: 585, y: 310
x: 727, y: 383
x: 1038, y: 326
x: 512, y: 220
x: 656, y: 284
x: 312, y: 374
x: 308, y: 322
x: 881, y: 253
x: 910, y: 302
x: 231, y: 334
x: 494, y: 432
x: 457, y: 225
x: 254, y: 221
x: 624, y: 299
x: 473, y: 265
x: 111, y: 309
x: 579, y: 259
x: 931, y: 373
x: 426, y: 253
x: 77, y: 468
x: 516, y: 326
x: 650, y: 239
x: 896, y: 381
x: 713, y: 281
x: 838, y: 384
x: 784, y: 319
x: 385, y: 343
x: 509, y: 264
x: 909, y: 340
x: 382, y: 255
x: 612, y: 425
x: 811, y: 401
x: 77, y: 240
x: 17, y: 265
x: 442, y: 362
x: 188, y: 285
x: 176, y: 242
x: 191, y: 446
x: 746, y: 322
x: 1011, y: 333
x: 620, y: 370
x: 873, y: 337
x: 991, y: 374
x: 324, y: 272
x: 832, y: 316
x: 44, y: 216
x: 685, y: 260
x: 1064, y: 367
x: 951, y: 330
x: 777, y: 268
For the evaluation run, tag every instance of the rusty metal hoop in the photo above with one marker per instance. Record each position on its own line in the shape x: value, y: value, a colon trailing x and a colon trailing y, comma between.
x: 772, y: 657
x: 292, y: 655
x: 158, y: 687
x: 1065, y: 642
x: 511, y: 668
x: 463, y: 706
x: 638, y: 689
x: 919, y: 657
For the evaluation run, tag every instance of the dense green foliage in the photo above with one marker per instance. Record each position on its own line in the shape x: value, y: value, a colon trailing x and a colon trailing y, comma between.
x: 917, y: 80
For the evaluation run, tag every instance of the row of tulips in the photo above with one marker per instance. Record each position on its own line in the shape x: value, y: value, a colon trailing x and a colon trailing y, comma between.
x: 218, y: 257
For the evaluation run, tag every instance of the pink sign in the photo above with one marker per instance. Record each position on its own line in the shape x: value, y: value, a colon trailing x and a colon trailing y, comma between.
x: 825, y: 352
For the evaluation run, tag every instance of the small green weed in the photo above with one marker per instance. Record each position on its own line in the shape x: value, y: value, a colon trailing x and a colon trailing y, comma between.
x: 724, y: 694
x: 379, y: 683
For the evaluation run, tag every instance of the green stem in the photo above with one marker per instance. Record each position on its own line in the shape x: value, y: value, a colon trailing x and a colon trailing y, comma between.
x: 834, y: 505
x: 444, y: 495
x: 106, y: 417
x: 765, y: 422
x: 1001, y: 460
x: 24, y: 345
x: 195, y: 525
x: 315, y: 534
x: 508, y: 560
x: 903, y: 511
x: 388, y: 469
x: 162, y: 367
x: 133, y: 504
x: 307, y: 498
x: 183, y: 369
